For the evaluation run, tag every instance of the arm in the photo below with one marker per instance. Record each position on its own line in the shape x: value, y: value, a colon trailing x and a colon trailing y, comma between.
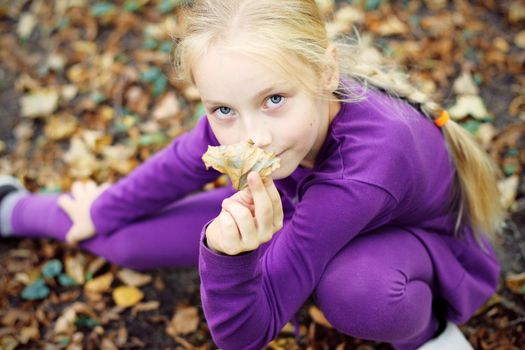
x: 248, y: 298
x: 170, y: 174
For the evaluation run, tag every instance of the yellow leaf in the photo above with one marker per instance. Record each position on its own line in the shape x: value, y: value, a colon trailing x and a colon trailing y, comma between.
x: 99, y: 284
x: 125, y: 296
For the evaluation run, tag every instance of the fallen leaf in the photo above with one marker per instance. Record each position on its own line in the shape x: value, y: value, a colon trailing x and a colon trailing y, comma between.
x: 39, y: 104
x: 143, y: 307
x: 133, y: 279
x: 125, y: 296
x: 468, y: 105
x: 75, y: 266
x: 516, y: 283
x: 26, y: 24
x: 465, y: 85
x: 318, y: 316
x: 185, y: 320
x: 8, y: 343
x: 167, y: 107
x: 60, y: 127
x: 519, y: 39
x: 508, y: 188
x: 99, y: 284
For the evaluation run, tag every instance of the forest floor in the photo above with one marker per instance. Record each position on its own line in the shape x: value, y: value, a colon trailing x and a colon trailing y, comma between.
x: 87, y: 91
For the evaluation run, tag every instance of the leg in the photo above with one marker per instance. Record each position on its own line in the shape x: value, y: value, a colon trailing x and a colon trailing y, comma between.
x: 380, y: 287
x: 169, y: 238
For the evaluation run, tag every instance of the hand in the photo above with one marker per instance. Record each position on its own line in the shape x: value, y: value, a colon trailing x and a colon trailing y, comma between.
x: 248, y: 219
x: 78, y: 209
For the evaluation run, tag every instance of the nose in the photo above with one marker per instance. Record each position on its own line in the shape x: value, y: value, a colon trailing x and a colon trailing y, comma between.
x: 260, y: 134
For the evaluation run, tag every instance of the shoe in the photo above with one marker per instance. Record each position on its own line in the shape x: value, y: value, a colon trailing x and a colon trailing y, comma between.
x: 8, y: 185
x: 451, y: 339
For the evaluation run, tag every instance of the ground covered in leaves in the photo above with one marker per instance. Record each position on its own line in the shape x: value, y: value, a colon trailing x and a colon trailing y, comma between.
x: 87, y: 91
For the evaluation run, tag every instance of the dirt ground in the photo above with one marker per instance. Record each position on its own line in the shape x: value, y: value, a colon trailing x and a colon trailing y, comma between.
x: 498, y: 325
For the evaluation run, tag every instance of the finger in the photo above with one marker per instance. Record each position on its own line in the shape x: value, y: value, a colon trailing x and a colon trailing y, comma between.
x: 66, y: 203
x: 230, y: 239
x: 245, y: 222
x: 275, y: 197
x: 77, y: 188
x: 90, y: 186
x: 245, y: 198
x: 263, y: 206
x: 104, y: 186
x: 72, y: 235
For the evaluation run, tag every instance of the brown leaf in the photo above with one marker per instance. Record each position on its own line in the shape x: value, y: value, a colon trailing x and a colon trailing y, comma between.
x: 318, y: 316
x: 142, y: 307
x: 99, y: 284
x: 185, y: 320
x: 516, y: 283
x: 239, y: 159
x: 75, y: 266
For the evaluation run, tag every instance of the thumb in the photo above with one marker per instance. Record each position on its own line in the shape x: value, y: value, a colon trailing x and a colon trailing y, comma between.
x: 66, y: 203
x: 75, y: 235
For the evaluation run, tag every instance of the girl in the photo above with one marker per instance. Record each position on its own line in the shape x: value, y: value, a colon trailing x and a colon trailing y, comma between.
x: 382, y: 208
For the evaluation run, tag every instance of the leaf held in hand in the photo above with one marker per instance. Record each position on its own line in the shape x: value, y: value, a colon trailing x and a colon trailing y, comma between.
x: 239, y: 159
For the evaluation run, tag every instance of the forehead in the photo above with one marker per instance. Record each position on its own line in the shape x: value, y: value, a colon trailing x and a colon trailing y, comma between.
x: 222, y: 71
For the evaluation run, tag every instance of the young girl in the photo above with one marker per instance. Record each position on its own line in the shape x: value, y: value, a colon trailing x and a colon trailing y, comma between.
x: 381, y: 209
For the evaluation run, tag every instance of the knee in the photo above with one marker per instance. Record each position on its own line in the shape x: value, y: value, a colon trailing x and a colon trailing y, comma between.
x: 376, y: 305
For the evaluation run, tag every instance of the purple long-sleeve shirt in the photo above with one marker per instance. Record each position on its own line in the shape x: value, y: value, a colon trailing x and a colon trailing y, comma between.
x: 382, y: 163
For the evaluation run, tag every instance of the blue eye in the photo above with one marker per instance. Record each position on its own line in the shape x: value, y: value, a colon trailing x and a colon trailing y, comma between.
x: 276, y: 100
x: 224, y: 111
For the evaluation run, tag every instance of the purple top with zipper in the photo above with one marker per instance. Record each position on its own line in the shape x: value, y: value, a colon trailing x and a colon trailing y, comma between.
x: 382, y: 163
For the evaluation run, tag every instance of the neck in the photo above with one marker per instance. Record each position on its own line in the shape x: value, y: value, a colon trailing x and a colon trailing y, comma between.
x: 333, y: 108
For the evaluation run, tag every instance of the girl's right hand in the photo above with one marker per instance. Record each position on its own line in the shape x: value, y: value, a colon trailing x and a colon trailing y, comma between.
x: 78, y: 209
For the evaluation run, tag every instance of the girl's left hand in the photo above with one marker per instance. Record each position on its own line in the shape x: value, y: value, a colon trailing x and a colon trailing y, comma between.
x: 248, y: 219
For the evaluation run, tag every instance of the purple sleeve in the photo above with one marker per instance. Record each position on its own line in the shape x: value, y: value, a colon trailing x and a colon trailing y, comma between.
x: 170, y: 174
x: 248, y: 298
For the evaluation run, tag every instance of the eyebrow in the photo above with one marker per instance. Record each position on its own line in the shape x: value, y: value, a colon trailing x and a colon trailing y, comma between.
x: 261, y: 93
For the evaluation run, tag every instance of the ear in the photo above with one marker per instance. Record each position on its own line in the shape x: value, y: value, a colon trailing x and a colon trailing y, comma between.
x: 331, y: 69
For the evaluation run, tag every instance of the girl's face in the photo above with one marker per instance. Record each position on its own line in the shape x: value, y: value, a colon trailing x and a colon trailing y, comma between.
x: 245, y: 99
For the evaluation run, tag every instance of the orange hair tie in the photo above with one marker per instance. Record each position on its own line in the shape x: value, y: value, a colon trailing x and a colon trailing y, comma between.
x: 442, y: 119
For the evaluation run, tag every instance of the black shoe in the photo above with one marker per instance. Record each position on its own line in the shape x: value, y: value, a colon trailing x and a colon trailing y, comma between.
x: 9, y: 184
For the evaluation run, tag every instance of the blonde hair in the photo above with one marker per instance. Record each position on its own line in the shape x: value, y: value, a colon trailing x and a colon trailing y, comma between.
x: 275, y: 30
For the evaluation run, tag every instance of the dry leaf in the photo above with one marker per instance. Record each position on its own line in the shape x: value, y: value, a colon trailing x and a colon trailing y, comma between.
x: 185, y: 320
x: 133, y: 278
x: 142, y: 307
x: 465, y: 85
x: 125, y: 296
x: 167, y: 107
x: 60, y: 127
x: 99, y: 284
x: 516, y: 283
x: 75, y: 266
x: 239, y: 159
x: 318, y: 316
x: 508, y: 188
x: 468, y: 105
x: 39, y: 104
